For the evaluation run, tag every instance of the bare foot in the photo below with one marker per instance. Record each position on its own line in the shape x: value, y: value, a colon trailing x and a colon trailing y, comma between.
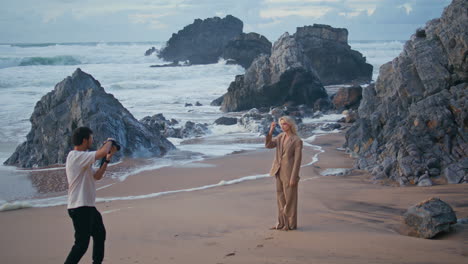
x: 276, y: 228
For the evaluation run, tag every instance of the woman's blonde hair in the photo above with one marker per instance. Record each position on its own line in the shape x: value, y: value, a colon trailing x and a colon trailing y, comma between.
x: 291, y: 122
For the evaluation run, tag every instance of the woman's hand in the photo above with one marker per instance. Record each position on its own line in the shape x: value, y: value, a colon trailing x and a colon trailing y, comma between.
x: 272, y: 127
x: 293, y: 182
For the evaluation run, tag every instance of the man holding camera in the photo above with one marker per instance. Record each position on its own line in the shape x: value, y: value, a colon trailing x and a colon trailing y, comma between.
x: 81, y: 177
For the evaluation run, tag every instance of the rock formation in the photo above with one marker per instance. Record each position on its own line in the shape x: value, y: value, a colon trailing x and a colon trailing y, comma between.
x: 218, y: 101
x: 413, y: 124
x: 347, y: 98
x: 150, y: 51
x: 159, y: 124
x: 191, y: 129
x: 331, y: 56
x: 429, y: 218
x: 77, y: 101
x: 246, y: 47
x: 203, y: 41
x: 226, y: 121
x: 285, y: 77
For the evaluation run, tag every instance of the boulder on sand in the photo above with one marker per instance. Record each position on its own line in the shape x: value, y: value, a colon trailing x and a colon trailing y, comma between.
x: 429, y: 218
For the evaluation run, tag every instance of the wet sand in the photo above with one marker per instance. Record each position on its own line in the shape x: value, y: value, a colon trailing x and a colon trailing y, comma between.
x: 342, y: 219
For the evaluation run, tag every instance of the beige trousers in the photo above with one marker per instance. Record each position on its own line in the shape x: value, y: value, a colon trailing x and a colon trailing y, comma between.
x: 287, y: 203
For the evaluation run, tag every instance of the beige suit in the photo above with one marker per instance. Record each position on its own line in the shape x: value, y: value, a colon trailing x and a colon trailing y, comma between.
x: 285, y: 167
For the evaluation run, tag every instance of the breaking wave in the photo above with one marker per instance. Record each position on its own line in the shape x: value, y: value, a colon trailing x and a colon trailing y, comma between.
x: 57, y: 60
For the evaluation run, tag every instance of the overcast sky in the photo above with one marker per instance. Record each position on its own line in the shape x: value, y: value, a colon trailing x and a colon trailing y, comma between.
x: 38, y: 21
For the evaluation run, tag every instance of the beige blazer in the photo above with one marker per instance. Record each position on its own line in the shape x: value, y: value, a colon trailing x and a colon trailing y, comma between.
x: 288, y: 158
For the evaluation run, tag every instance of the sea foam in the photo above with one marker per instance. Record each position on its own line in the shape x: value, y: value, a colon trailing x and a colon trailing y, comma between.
x: 334, y: 172
x: 14, y: 206
x: 62, y: 200
x: 57, y: 60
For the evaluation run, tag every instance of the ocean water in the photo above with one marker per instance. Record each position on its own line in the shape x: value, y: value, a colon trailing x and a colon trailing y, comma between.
x: 29, y: 71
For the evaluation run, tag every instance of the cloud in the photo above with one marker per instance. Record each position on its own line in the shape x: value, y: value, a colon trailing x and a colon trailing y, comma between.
x: 316, y: 8
x: 153, y: 20
x: 50, y: 10
x: 407, y: 7
x: 138, y: 20
x: 364, y: 19
x: 400, y: 11
x: 312, y: 12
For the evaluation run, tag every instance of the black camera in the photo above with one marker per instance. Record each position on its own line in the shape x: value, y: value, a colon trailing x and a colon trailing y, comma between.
x: 115, y: 144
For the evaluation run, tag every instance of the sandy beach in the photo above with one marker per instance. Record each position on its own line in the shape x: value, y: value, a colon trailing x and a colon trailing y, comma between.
x: 342, y: 219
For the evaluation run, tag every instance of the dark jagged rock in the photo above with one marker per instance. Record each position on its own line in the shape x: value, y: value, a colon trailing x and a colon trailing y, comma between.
x: 458, y: 172
x: 151, y: 51
x: 429, y: 218
x: 414, y: 122
x: 246, y: 47
x: 284, y: 78
x: 347, y: 98
x: 218, y: 101
x: 77, y: 101
x: 227, y: 121
x: 192, y: 129
x: 158, y: 123
x: 331, y: 56
x: 203, y: 41
x: 420, y: 33
x: 172, y: 132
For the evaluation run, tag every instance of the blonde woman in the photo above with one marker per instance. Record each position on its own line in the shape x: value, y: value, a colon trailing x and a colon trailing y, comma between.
x: 286, y: 166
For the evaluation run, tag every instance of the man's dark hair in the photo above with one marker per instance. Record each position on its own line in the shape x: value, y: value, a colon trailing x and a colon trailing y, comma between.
x: 79, y: 134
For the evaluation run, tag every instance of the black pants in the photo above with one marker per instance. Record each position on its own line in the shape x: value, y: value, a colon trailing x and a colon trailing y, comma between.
x: 87, y: 222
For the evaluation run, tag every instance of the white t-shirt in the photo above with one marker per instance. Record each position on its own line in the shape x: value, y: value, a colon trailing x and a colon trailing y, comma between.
x: 80, y: 176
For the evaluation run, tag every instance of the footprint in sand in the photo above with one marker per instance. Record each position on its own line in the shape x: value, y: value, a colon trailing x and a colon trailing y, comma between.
x: 230, y: 254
